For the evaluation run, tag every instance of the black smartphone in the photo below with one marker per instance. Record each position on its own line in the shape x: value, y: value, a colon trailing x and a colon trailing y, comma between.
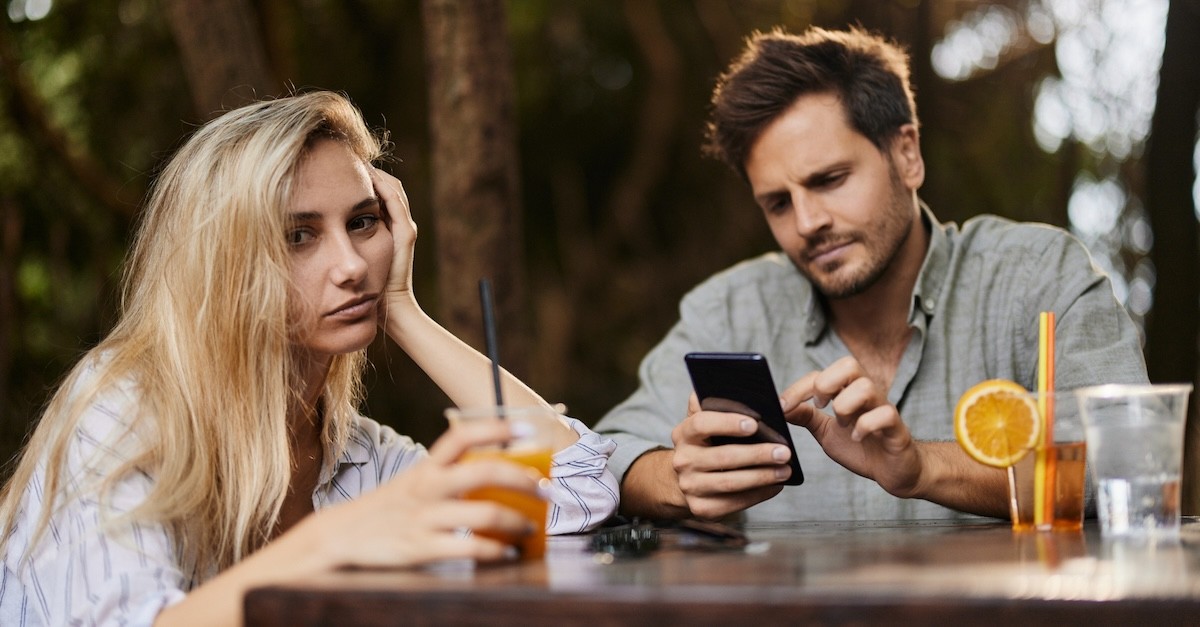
x: 742, y: 383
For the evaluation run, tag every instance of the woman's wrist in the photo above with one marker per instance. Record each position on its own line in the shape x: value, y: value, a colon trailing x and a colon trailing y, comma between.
x: 307, y: 549
x: 400, y: 310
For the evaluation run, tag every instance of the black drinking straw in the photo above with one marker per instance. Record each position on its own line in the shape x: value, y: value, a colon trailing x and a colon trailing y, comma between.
x: 489, y: 335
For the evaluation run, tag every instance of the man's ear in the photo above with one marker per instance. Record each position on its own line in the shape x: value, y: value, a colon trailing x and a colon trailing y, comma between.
x: 906, y: 155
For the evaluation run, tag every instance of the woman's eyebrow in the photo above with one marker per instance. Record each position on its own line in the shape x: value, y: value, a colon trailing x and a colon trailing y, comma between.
x: 366, y: 202
x: 308, y: 216
x: 303, y: 216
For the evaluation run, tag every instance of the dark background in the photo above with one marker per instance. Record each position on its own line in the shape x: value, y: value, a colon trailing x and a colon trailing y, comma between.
x: 620, y: 213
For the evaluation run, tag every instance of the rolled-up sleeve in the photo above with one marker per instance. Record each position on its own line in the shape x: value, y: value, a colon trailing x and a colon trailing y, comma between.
x: 584, y: 492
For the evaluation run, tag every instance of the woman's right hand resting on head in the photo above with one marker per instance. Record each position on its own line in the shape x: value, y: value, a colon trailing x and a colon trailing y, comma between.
x: 414, y: 519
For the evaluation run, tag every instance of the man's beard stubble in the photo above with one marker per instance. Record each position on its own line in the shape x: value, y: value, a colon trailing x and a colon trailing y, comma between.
x: 896, y: 225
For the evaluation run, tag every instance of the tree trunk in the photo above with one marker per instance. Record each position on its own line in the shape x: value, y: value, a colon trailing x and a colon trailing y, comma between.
x: 1172, y: 333
x: 476, y: 186
x: 223, y: 53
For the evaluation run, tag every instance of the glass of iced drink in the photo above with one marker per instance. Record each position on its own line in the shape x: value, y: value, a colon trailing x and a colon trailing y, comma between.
x: 1053, y: 470
x: 532, y: 448
x: 1135, y: 450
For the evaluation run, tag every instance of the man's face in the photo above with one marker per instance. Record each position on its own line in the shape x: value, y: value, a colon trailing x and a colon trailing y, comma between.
x: 839, y: 207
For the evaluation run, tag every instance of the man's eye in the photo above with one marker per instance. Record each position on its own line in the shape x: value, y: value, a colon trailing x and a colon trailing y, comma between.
x: 831, y: 181
x: 779, y: 205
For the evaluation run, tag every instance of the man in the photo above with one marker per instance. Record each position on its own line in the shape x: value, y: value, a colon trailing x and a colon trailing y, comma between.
x: 874, y: 316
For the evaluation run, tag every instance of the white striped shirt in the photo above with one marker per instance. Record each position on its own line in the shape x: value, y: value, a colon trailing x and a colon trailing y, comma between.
x: 83, y: 574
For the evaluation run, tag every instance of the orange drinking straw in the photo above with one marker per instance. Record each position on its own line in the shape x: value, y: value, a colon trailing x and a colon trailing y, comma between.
x: 1047, y: 392
x: 1043, y: 478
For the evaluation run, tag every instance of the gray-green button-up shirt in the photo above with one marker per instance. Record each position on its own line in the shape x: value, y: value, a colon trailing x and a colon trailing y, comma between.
x: 974, y: 313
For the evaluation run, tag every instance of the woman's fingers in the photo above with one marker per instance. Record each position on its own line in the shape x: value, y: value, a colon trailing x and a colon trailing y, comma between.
x: 459, y: 439
x: 476, y: 515
x: 458, y: 479
x: 404, y: 237
x: 422, y: 548
x: 391, y: 193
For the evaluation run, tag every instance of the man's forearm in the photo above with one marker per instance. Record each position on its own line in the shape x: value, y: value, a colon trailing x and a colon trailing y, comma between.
x: 954, y: 480
x: 650, y: 488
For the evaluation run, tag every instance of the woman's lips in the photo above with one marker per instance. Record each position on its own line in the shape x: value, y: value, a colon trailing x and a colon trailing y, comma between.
x: 354, y: 309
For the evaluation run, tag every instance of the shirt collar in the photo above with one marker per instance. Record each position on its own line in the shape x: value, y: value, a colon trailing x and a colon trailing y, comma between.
x: 815, y: 308
x: 932, y: 278
x: 355, y: 453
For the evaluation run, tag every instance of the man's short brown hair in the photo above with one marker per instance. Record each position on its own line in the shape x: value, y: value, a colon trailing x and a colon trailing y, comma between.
x: 868, y: 74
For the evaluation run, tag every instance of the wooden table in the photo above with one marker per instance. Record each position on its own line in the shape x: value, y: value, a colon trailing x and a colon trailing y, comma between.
x: 919, y: 572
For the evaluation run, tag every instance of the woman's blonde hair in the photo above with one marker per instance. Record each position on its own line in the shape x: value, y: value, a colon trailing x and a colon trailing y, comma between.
x: 203, y: 341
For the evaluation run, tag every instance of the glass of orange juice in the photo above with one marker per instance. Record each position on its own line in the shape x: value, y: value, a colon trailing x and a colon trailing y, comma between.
x: 999, y: 423
x: 1054, y: 469
x: 532, y: 448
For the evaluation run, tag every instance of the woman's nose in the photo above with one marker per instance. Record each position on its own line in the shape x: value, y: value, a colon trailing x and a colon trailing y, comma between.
x: 349, y: 266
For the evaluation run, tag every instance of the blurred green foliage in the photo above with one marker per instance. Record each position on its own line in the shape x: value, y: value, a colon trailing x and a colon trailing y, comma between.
x: 621, y: 213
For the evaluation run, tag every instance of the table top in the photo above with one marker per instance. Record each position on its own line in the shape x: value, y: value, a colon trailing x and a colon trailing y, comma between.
x: 915, y: 571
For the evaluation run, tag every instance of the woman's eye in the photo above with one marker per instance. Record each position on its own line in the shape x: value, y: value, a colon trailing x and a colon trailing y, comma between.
x: 364, y: 222
x: 296, y: 237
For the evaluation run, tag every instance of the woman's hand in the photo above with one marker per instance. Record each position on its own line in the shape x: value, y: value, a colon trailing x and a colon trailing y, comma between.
x: 417, y: 517
x: 414, y: 519
x: 399, y: 221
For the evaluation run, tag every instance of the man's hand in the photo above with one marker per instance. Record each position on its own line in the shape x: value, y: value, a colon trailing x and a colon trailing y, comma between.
x: 852, y: 420
x: 719, y: 480
x: 856, y: 426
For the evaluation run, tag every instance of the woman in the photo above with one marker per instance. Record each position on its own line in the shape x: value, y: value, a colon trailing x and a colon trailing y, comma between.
x: 182, y: 460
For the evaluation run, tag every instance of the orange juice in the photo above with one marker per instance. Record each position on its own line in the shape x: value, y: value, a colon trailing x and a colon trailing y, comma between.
x: 1067, y: 461
x: 532, y: 546
x: 1064, y: 475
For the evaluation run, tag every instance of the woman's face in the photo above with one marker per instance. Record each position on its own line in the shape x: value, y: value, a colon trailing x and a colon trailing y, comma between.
x: 341, y: 252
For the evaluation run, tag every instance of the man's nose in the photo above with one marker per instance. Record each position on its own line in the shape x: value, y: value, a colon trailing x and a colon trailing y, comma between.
x: 809, y: 214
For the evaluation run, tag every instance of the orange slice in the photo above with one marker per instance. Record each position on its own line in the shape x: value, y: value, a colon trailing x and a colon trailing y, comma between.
x: 997, y: 422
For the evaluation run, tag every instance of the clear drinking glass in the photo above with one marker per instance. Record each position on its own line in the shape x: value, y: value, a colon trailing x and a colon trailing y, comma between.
x: 1135, y: 449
